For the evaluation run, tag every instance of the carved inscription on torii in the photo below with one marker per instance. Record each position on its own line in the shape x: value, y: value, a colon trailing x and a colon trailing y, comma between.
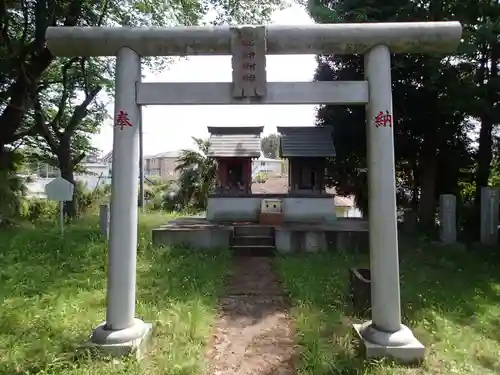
x: 248, y: 46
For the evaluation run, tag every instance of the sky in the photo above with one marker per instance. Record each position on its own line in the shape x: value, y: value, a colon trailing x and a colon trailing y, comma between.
x: 170, y: 128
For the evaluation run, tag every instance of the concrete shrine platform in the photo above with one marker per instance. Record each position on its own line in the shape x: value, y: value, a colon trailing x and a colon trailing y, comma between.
x: 200, y: 233
x: 297, y: 208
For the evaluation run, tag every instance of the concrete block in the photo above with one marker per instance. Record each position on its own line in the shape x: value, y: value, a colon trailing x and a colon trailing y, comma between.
x: 489, y: 216
x: 283, y: 241
x: 136, y: 347
x: 448, y: 218
x: 315, y: 241
x: 220, y: 238
x: 104, y: 216
x: 229, y: 209
x: 309, y: 209
x: 342, y: 241
x: 204, y: 238
x: 410, y: 350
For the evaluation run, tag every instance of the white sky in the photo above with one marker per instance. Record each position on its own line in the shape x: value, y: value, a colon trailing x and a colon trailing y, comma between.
x: 169, y: 128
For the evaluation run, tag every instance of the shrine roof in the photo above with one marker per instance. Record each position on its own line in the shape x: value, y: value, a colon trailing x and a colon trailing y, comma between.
x: 232, y: 141
x: 306, y: 141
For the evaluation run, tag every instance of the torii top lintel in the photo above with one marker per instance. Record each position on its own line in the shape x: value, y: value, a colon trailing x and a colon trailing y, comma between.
x: 349, y: 38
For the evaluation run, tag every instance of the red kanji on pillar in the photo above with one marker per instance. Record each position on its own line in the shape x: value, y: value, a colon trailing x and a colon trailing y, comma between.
x: 122, y: 120
x: 383, y: 119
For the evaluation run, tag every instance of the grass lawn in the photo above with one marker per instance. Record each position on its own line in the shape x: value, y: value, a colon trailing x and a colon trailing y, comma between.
x: 53, y: 294
x: 450, y: 298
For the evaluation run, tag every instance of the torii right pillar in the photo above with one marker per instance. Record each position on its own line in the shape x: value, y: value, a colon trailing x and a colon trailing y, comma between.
x: 384, y: 335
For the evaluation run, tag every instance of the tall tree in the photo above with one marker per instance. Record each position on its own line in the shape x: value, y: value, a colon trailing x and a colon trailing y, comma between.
x: 25, y: 56
x: 55, y: 99
x: 63, y: 121
x: 197, y: 174
x: 270, y: 145
x: 430, y: 111
x: 483, y: 55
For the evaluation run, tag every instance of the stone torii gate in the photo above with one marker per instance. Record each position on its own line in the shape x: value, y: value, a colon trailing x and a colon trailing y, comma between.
x: 384, y: 335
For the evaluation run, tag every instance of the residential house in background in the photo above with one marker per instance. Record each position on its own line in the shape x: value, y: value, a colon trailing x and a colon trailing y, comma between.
x: 160, y: 165
x: 92, y: 157
x: 108, y: 158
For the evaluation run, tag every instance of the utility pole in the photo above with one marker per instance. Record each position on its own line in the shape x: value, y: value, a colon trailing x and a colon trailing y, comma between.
x: 141, y: 163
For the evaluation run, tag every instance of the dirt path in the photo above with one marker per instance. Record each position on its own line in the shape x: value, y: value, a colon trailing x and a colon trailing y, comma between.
x: 253, y: 334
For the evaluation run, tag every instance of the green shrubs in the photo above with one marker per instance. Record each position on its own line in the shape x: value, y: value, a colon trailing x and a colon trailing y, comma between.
x: 261, y: 178
x: 150, y: 192
x: 161, y: 196
x: 88, y: 200
x: 16, y: 206
x: 41, y: 210
x: 171, y: 200
x: 11, y: 196
x: 37, y: 209
x: 155, y: 204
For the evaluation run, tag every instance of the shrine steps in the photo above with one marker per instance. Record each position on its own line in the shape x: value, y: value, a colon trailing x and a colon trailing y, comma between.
x: 253, y: 240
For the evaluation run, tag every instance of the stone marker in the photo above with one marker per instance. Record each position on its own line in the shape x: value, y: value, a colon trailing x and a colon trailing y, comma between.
x: 104, y: 220
x: 448, y: 218
x: 489, y: 216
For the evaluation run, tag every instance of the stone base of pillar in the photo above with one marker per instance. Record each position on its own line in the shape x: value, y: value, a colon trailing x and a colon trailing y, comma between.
x: 401, y: 346
x: 131, y: 341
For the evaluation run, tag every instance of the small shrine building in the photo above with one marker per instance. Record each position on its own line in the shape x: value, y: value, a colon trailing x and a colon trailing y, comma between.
x: 234, y: 148
x: 306, y: 148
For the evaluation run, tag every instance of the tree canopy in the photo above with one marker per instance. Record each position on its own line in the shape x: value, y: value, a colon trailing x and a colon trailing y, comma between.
x: 50, y: 106
x: 25, y: 56
x: 270, y: 146
x: 197, y: 175
x: 438, y: 103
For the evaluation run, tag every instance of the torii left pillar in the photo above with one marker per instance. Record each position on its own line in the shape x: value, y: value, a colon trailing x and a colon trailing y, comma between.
x: 122, y: 333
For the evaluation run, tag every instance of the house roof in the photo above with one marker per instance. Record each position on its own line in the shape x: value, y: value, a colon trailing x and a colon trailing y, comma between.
x: 235, y: 141
x: 106, y: 158
x: 306, y: 141
x: 169, y: 154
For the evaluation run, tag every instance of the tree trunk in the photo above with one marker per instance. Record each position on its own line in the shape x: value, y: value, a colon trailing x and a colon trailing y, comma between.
x: 415, y: 184
x: 21, y: 92
x: 427, y: 201
x: 410, y: 216
x: 5, y: 159
x: 66, y: 166
x: 484, y: 155
x: 23, y: 88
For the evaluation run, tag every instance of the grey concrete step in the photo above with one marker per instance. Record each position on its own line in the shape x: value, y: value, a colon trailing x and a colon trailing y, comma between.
x: 254, y: 251
x: 253, y: 241
x: 253, y: 230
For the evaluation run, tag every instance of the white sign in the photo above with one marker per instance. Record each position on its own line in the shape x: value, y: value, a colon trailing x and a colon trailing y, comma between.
x: 59, y: 190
